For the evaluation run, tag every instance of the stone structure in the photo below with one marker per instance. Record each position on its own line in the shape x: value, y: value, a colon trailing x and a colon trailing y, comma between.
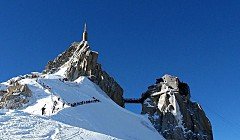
x: 80, y: 60
x: 170, y: 110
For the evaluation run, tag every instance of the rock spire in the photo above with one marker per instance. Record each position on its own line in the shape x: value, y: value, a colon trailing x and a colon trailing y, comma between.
x: 79, y: 60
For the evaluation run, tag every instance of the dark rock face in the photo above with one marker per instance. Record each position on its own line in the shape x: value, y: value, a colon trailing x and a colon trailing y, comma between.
x: 170, y: 110
x: 78, y: 61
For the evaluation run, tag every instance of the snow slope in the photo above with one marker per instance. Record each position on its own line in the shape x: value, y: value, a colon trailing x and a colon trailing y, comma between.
x: 20, y: 125
x: 94, y: 115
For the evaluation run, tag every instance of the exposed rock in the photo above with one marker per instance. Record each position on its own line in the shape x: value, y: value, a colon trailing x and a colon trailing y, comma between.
x: 169, y: 108
x: 78, y: 61
x: 2, y: 92
x: 15, y: 96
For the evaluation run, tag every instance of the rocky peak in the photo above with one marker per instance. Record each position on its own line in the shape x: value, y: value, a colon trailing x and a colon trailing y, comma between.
x: 80, y: 60
x: 172, y: 113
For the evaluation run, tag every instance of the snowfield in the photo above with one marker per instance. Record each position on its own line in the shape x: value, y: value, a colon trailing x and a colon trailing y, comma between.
x: 19, y: 125
x: 73, y: 110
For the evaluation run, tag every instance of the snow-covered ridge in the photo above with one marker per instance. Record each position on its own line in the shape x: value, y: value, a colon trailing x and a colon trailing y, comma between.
x: 79, y: 106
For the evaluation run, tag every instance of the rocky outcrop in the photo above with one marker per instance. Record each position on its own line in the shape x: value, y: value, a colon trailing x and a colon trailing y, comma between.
x: 173, y: 114
x: 78, y: 61
x: 15, y: 96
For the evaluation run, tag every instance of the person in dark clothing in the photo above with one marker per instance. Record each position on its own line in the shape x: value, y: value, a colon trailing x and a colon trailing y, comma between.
x: 73, y: 104
x: 54, y: 106
x: 44, y: 110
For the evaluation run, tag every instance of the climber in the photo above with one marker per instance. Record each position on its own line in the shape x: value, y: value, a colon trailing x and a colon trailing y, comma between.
x: 54, y: 106
x: 73, y: 104
x: 43, y: 109
x: 65, y: 79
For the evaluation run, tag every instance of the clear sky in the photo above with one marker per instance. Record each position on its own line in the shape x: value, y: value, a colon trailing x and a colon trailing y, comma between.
x: 138, y: 41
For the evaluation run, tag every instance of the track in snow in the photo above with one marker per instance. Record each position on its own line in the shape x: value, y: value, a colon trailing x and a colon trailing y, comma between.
x: 19, y: 125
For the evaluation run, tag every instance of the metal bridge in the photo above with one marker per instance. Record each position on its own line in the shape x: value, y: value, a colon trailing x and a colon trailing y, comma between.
x: 137, y: 100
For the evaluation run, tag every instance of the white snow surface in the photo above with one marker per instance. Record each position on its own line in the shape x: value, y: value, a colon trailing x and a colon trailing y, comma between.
x: 103, y: 120
x: 19, y: 125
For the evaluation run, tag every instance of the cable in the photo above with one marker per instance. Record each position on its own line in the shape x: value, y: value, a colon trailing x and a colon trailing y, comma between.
x: 230, y: 123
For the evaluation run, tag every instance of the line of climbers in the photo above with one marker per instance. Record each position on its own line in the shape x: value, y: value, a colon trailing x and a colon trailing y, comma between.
x: 45, y: 86
x: 83, y: 102
x: 55, y: 103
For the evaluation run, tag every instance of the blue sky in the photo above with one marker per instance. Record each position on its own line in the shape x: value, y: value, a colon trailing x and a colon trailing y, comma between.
x: 138, y: 41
